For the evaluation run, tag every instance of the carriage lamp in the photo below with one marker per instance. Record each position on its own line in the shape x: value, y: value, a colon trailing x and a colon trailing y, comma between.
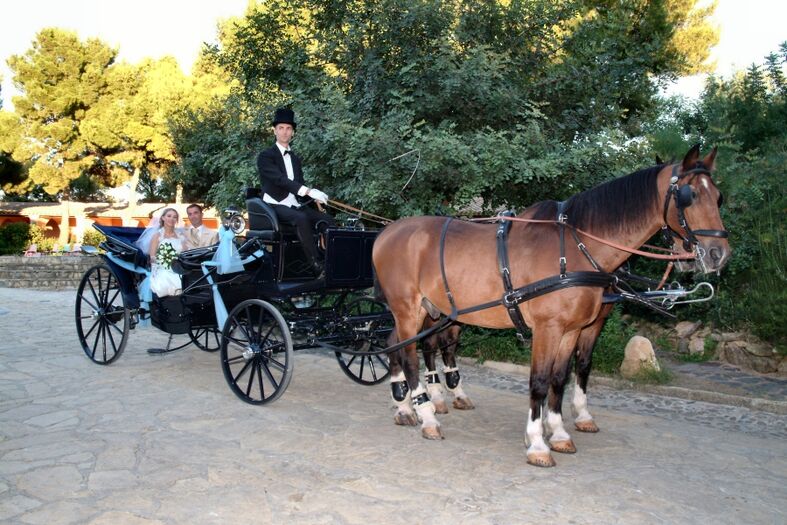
x: 233, y: 220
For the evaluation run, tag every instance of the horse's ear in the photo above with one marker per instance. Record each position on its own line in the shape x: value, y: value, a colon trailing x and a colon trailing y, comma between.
x: 691, y: 157
x: 658, y: 159
x: 710, y: 158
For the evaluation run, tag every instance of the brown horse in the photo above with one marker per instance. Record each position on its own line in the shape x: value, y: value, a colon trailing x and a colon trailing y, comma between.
x: 682, y: 198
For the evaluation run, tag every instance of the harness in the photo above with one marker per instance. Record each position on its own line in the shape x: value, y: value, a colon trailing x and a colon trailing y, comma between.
x: 513, y: 297
x: 683, y: 197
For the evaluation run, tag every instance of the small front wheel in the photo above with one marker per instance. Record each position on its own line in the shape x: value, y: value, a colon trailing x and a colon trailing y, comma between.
x: 256, y: 352
x: 102, y: 318
x: 206, y: 339
x: 370, y: 323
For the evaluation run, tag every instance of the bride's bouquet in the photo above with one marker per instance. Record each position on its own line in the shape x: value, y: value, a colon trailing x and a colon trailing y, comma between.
x: 165, y: 255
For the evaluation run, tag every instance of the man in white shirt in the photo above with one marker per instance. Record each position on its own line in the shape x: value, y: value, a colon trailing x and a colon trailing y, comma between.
x: 281, y: 176
x: 199, y: 235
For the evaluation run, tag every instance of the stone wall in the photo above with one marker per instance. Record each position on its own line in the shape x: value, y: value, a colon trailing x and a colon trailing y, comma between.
x: 48, y: 272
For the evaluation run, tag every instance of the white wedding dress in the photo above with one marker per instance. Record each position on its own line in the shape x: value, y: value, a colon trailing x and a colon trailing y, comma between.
x: 163, y: 281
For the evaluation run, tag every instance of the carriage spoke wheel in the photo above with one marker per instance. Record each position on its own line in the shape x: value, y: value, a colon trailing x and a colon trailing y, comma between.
x: 369, y: 336
x: 102, y: 318
x: 256, y: 352
x: 206, y: 339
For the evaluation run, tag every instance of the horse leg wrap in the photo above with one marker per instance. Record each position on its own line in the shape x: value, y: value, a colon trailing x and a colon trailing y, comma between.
x: 401, y: 397
x: 452, y: 378
x: 399, y: 389
x: 435, y: 390
x: 454, y: 383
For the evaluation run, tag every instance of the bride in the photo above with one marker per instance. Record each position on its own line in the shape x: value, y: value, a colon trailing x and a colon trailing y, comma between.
x: 163, y: 242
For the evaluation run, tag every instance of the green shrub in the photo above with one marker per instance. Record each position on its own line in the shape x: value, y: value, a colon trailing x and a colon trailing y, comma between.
x: 44, y: 243
x: 14, y: 238
x: 93, y: 237
x: 485, y: 344
x: 651, y: 376
x: 611, y: 344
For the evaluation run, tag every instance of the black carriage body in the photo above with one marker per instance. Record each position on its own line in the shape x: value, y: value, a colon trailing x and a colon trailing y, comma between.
x: 272, y: 307
x: 278, y: 276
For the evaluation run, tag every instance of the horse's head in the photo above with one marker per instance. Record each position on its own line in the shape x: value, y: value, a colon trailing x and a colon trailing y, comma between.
x: 691, y: 212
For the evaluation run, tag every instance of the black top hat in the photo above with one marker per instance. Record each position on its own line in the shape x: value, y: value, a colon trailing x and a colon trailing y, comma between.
x: 284, y: 116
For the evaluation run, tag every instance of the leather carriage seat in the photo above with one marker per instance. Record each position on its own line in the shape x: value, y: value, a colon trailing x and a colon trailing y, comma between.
x: 263, y: 222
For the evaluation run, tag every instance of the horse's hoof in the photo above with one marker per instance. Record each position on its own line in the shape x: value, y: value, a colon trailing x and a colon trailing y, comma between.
x: 463, y: 403
x: 432, y: 433
x: 540, y: 459
x: 564, y: 447
x: 586, y: 426
x: 403, y: 418
x: 440, y: 407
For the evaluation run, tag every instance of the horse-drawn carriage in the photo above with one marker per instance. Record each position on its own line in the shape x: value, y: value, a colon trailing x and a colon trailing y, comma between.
x: 255, y: 317
x: 559, y: 282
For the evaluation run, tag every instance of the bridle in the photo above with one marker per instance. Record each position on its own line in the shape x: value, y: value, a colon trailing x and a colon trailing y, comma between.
x: 684, y: 197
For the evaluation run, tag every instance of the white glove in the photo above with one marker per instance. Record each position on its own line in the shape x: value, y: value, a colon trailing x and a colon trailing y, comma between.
x: 317, y: 195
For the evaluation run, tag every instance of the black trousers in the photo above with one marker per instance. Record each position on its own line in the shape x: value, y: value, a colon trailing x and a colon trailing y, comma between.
x: 304, y: 219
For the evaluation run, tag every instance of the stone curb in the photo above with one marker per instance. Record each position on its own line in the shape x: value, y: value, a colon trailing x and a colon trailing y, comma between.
x: 753, y: 403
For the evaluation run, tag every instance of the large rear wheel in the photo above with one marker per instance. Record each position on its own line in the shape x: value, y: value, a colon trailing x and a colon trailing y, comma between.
x: 102, y: 318
x: 256, y: 352
x: 369, y: 322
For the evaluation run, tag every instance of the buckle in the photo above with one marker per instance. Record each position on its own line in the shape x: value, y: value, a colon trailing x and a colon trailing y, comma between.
x: 510, y: 299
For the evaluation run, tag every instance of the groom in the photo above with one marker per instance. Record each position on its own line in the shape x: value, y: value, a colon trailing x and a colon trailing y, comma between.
x: 198, y: 234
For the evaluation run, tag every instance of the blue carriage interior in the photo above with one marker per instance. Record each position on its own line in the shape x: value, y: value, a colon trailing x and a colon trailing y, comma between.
x: 120, y: 242
x: 176, y: 314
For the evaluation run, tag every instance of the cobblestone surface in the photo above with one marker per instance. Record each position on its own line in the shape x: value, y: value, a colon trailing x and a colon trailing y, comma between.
x: 722, y: 417
x: 161, y: 439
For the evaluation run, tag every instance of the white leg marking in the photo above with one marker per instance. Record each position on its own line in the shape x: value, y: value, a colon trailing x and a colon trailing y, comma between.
x: 555, y: 426
x: 435, y: 390
x: 579, y: 404
x: 535, y: 435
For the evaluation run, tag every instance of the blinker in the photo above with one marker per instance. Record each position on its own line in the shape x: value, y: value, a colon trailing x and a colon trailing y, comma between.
x: 685, y: 196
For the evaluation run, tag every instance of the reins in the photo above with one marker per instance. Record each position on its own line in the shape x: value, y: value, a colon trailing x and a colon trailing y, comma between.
x: 358, y: 212
x: 672, y: 257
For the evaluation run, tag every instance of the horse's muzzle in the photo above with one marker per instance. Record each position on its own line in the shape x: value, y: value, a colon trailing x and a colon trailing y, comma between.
x: 714, y: 255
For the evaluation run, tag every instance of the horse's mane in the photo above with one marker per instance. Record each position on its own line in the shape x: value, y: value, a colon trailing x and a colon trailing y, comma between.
x: 616, y: 205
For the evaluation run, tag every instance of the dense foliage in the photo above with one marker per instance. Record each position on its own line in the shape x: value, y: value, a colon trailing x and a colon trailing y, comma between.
x: 411, y: 107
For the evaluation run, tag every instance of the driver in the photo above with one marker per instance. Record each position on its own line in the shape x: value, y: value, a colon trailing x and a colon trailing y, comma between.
x: 281, y: 178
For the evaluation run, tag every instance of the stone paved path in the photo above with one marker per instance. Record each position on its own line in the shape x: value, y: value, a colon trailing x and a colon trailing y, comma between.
x: 161, y: 439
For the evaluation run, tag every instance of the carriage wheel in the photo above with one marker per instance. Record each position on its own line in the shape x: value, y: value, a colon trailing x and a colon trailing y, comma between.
x: 207, y: 339
x: 102, y: 318
x: 256, y: 352
x: 370, y: 336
